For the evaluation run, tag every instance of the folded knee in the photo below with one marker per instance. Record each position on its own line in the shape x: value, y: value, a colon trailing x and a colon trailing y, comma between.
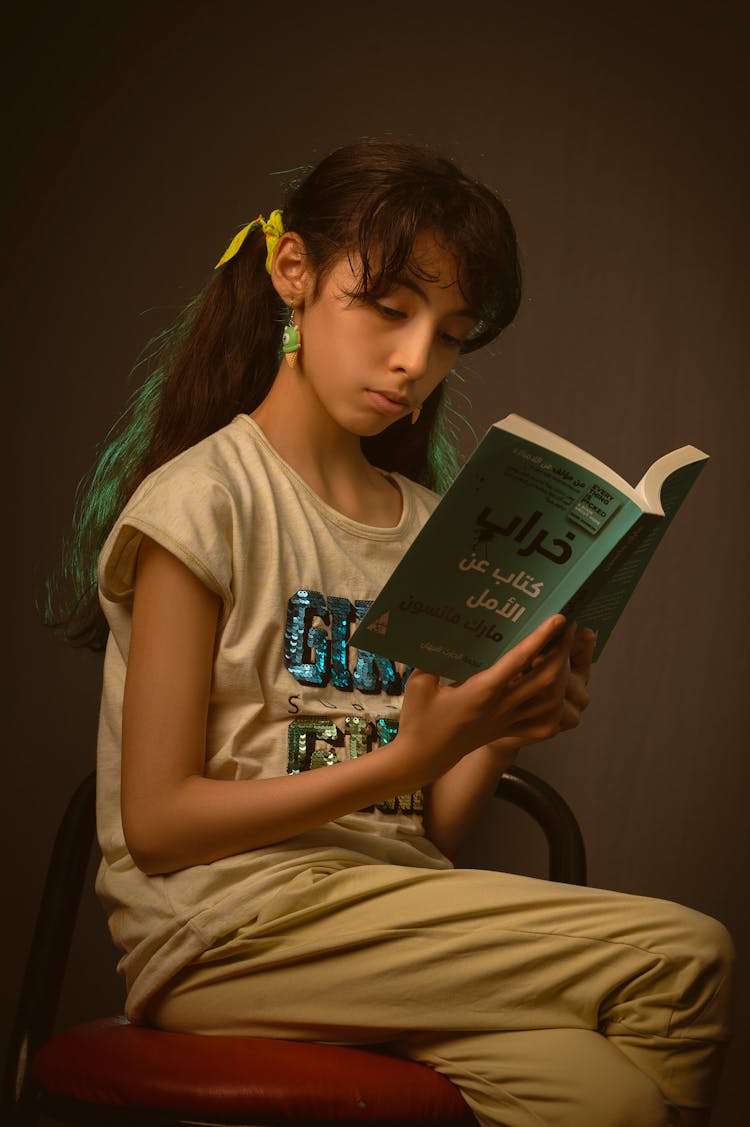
x: 709, y: 947
x: 637, y: 1102
x: 685, y: 932
x: 699, y: 958
x: 716, y: 943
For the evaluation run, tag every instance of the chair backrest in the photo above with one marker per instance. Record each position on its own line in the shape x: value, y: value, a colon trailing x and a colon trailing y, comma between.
x: 565, y: 845
x: 50, y: 944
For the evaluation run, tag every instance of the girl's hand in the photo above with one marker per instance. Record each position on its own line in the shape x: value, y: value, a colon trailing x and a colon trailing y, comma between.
x: 576, y: 693
x: 575, y: 701
x: 527, y: 695
x: 453, y: 801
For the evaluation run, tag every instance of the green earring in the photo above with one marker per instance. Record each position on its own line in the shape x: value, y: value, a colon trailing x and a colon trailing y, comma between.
x: 291, y: 341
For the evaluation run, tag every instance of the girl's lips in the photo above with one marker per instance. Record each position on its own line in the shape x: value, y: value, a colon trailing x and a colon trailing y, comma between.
x: 385, y: 405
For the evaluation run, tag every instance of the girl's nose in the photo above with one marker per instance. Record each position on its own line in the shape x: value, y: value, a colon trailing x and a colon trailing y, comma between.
x: 412, y: 353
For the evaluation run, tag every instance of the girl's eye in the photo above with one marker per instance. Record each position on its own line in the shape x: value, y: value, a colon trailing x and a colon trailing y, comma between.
x: 399, y: 315
x: 388, y: 310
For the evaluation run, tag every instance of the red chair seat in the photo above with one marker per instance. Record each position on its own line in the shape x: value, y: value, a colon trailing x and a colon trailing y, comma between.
x: 109, y: 1073
x: 113, y: 1063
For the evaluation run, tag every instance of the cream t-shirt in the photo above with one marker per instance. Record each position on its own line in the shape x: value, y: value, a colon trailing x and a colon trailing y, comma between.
x: 288, y: 692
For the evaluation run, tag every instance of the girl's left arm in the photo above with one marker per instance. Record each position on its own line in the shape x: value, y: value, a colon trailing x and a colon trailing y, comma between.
x: 453, y: 801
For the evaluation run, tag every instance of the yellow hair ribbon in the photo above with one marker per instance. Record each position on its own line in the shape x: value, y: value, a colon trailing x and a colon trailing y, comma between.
x: 273, y: 229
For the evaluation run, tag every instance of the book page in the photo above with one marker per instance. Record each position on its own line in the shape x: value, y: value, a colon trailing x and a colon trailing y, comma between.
x: 646, y: 493
x: 656, y: 480
x: 523, y: 428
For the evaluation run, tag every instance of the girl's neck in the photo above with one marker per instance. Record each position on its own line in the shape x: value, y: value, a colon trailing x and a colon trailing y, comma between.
x: 325, y: 456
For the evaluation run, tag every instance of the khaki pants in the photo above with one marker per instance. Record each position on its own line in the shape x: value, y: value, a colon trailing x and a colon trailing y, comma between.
x: 545, y: 1003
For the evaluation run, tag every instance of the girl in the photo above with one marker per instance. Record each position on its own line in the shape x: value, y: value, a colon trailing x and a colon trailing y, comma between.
x: 276, y: 811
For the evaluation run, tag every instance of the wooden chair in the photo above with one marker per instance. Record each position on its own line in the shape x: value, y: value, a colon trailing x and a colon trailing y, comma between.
x: 109, y: 1073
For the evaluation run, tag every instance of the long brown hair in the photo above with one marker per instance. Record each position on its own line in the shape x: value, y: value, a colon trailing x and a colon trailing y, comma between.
x: 220, y: 357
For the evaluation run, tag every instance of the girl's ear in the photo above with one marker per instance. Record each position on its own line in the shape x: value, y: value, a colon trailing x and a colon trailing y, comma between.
x: 290, y: 272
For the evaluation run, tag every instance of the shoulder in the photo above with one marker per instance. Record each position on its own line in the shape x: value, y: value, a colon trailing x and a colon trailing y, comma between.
x: 190, y: 506
x: 227, y: 457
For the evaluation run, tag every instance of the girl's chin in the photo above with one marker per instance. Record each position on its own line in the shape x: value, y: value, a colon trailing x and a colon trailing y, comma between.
x: 365, y: 425
x: 374, y: 429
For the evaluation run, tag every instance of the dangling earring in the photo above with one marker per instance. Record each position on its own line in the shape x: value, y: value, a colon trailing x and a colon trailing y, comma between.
x: 291, y: 341
x: 415, y: 414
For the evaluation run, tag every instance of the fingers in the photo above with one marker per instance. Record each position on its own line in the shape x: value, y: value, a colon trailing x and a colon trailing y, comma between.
x: 549, y: 697
x: 582, y: 652
x: 544, y: 715
x: 525, y: 654
x: 581, y: 657
x: 577, y: 694
x: 546, y: 667
x: 534, y: 691
x: 421, y: 687
x: 542, y: 694
x: 577, y: 699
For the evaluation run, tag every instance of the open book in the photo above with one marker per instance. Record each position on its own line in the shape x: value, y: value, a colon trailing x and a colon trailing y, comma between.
x: 531, y: 526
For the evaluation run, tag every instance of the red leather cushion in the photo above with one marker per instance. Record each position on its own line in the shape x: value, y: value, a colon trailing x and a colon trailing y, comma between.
x: 113, y: 1063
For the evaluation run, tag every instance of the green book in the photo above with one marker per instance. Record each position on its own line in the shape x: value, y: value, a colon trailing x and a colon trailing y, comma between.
x: 531, y: 526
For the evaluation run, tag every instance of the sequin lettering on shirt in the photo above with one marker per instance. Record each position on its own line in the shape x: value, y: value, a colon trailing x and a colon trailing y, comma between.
x: 308, y: 733
x: 358, y: 735
x: 342, y: 615
x: 373, y: 673
x: 317, y: 653
x: 316, y: 646
x: 305, y: 732
x: 306, y: 648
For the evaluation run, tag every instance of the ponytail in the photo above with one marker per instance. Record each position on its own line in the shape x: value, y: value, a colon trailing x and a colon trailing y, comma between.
x: 218, y: 358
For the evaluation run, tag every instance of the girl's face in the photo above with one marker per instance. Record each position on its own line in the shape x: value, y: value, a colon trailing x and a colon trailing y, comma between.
x: 367, y: 363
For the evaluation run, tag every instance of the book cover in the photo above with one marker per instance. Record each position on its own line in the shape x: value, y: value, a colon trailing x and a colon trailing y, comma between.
x: 525, y: 530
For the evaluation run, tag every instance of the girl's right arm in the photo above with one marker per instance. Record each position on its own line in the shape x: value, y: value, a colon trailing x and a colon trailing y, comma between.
x: 174, y: 817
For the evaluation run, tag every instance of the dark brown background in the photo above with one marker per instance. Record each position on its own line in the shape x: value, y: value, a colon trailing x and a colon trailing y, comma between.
x: 141, y: 135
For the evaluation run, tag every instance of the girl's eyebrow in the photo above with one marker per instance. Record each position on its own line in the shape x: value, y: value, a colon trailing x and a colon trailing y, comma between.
x: 410, y: 284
